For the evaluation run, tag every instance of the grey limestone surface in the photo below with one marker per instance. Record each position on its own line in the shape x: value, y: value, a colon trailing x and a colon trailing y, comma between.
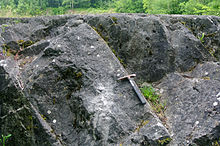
x: 59, y: 79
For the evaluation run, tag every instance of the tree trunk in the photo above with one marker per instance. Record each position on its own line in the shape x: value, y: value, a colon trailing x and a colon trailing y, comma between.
x: 72, y: 4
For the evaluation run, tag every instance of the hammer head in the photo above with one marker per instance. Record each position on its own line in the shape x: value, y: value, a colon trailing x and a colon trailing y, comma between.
x: 127, y: 76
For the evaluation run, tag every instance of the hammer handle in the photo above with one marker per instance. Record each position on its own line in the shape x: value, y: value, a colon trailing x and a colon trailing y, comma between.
x: 137, y: 90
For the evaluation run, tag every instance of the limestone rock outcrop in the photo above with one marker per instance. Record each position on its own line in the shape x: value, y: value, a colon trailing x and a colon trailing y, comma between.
x: 59, y: 79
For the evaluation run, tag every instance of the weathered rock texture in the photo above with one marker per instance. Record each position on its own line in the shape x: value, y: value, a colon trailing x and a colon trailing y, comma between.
x: 153, y: 45
x: 193, y: 111
x: 58, y: 79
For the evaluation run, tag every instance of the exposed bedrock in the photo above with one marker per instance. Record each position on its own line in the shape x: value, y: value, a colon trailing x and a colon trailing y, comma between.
x: 153, y: 45
x: 59, y: 79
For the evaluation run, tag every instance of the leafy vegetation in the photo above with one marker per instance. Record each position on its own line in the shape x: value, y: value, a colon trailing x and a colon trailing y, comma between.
x: 202, y: 37
x: 193, y: 7
x: 153, y: 97
x: 18, y: 8
x: 164, y: 141
x: 216, y: 143
x: 129, y: 6
x: 150, y: 94
x: 4, y: 138
x: 159, y: 107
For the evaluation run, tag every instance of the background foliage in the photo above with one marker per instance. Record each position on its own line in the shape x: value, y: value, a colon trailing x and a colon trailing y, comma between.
x: 53, y: 7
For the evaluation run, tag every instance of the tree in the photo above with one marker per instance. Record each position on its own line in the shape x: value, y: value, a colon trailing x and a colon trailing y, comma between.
x: 11, y: 4
x: 129, y: 6
x: 68, y: 3
x: 162, y: 7
x: 54, y: 3
x: 23, y: 6
x: 39, y: 7
x: 146, y: 5
x: 76, y: 3
x: 32, y: 7
x: 101, y: 3
x: 201, y: 7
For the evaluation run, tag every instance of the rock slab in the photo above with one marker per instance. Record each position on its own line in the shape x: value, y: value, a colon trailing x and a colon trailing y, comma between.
x: 58, y: 79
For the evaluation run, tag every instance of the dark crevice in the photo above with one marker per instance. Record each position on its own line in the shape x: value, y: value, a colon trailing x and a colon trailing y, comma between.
x: 194, y: 88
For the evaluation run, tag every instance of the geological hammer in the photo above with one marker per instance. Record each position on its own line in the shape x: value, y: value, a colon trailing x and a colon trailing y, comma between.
x: 135, y: 87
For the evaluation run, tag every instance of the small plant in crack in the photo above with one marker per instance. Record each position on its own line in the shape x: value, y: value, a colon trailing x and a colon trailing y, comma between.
x: 154, y: 98
x: 4, y: 26
x: 4, y: 138
x: 202, y: 37
x: 150, y: 94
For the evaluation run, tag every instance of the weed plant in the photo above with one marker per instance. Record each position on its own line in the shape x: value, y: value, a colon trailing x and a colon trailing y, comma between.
x: 4, y: 138
x: 154, y: 98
